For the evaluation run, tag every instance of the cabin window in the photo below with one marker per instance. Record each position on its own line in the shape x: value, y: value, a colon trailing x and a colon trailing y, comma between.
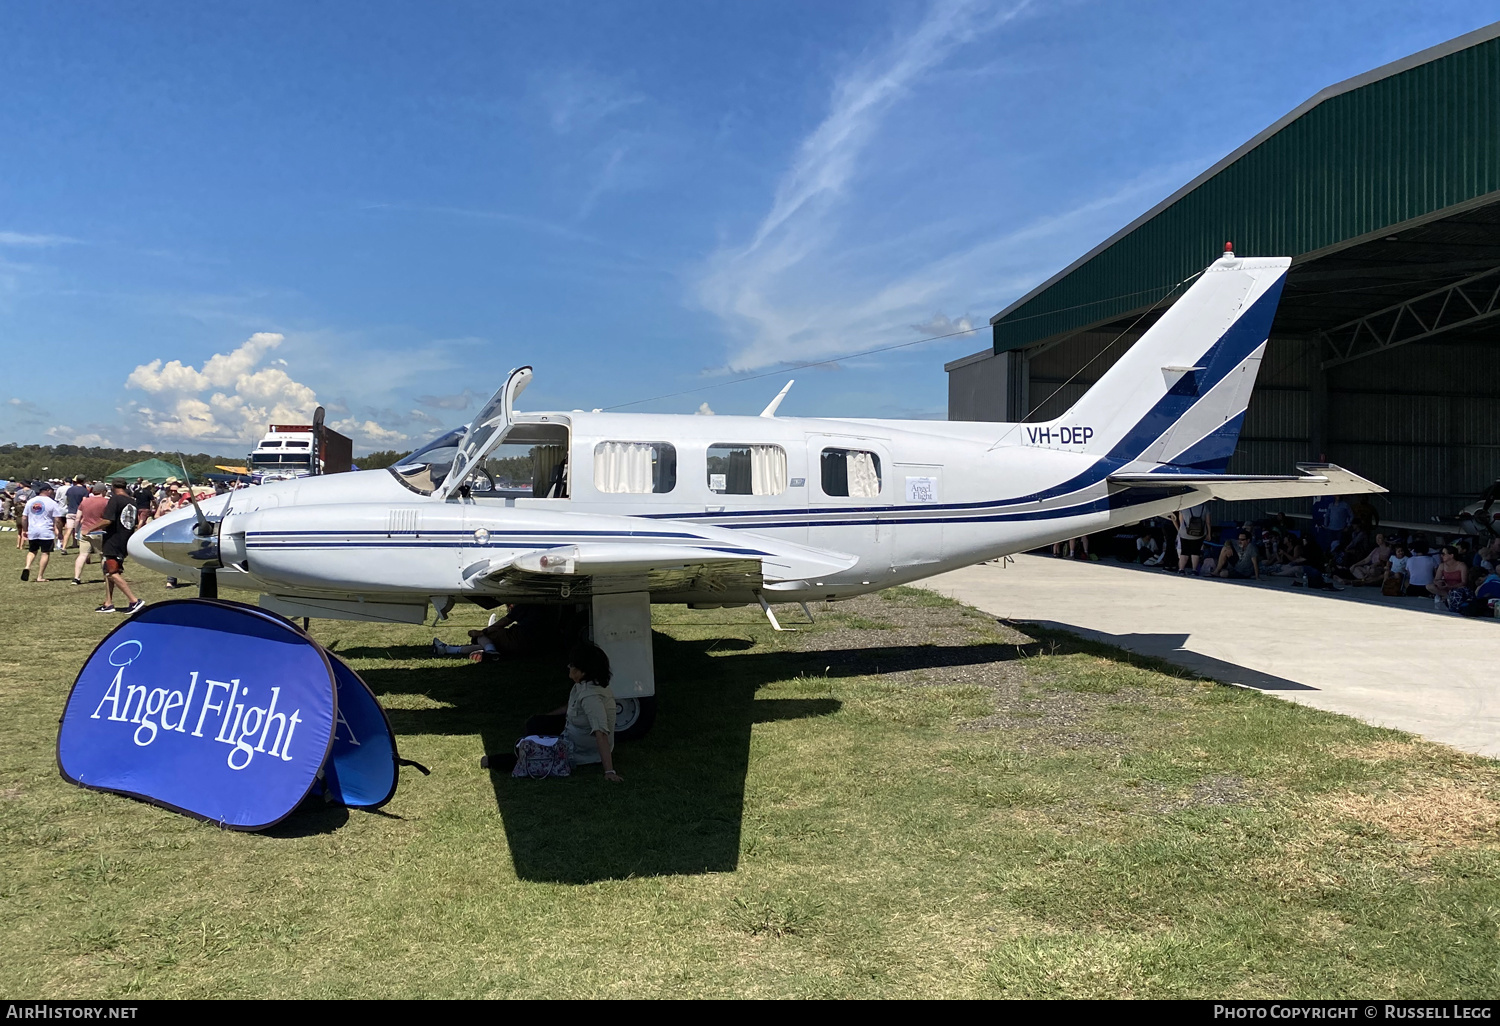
x: 851, y: 472
x: 635, y: 468
x: 746, y: 469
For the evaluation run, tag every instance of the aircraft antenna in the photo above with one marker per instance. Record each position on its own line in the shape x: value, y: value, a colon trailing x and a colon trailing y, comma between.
x: 770, y: 410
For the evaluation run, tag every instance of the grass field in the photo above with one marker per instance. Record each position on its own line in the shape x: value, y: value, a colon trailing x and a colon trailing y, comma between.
x: 904, y: 799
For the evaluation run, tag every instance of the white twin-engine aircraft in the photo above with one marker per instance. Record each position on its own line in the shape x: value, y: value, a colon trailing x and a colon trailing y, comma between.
x: 622, y: 510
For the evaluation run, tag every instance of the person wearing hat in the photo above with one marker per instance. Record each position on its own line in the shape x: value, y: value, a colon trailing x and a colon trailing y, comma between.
x: 168, y: 498
x: 118, y: 523
x: 42, y: 517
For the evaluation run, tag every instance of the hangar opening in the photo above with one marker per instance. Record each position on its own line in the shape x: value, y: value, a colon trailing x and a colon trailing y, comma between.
x: 1385, y: 353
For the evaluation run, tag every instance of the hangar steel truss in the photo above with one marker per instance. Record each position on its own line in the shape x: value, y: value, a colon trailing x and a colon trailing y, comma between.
x: 1459, y: 305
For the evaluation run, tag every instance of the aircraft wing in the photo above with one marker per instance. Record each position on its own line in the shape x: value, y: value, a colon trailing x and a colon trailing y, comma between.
x: 658, y: 567
x: 1314, y: 479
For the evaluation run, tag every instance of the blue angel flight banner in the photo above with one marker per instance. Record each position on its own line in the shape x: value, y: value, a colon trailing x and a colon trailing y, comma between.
x: 225, y: 712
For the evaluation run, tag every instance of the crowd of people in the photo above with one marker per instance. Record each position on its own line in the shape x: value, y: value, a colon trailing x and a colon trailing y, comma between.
x: 96, y: 518
x: 1344, y: 546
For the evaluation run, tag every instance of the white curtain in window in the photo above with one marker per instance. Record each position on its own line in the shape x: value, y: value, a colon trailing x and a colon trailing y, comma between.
x: 767, y: 470
x: 544, y: 461
x: 623, y: 467
x: 864, y: 482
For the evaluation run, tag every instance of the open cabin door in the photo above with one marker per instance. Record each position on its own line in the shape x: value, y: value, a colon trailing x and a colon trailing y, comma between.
x: 485, y: 432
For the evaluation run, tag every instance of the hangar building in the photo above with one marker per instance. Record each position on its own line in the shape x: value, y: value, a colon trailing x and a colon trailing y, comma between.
x: 1385, y: 353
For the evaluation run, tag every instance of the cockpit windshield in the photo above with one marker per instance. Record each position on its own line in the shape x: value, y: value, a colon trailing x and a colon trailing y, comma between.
x: 531, y: 462
x: 426, y: 468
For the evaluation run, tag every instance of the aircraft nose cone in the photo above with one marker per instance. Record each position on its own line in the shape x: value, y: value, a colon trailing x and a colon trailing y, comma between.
x: 180, y: 541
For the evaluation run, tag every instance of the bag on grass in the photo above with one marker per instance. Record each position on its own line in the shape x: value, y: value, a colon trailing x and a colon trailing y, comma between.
x: 538, y: 757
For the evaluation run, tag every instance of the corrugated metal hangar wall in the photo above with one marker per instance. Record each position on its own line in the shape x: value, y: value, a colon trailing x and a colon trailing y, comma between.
x: 1385, y: 353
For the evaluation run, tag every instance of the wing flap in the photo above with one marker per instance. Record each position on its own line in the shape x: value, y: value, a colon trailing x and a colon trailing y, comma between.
x: 651, y: 566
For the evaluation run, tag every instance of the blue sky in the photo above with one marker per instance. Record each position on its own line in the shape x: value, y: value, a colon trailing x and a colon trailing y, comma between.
x: 216, y: 215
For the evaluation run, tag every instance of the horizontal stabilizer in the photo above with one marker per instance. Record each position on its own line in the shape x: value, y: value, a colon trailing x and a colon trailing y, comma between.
x: 1314, y: 479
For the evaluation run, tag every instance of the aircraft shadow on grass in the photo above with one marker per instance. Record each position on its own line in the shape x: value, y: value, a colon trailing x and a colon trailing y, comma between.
x: 1173, y: 649
x: 681, y: 808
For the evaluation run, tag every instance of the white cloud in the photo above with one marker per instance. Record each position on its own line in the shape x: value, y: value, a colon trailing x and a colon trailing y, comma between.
x: 942, y: 324
x: 23, y: 239
x: 705, y: 410
x: 802, y: 291
x: 578, y: 99
x: 462, y: 401
x: 221, y: 370
x: 367, y: 432
x: 603, y: 182
x: 231, y: 399
x: 24, y: 408
x: 68, y: 436
x: 780, y: 294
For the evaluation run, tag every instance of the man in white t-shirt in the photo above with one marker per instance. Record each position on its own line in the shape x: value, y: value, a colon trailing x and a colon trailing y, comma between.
x: 43, y: 513
x: 1421, y: 567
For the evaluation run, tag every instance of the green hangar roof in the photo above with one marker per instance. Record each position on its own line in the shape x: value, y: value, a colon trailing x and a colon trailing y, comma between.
x: 1384, y: 189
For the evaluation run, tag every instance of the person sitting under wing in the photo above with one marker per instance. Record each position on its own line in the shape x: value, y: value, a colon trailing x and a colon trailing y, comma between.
x: 521, y: 631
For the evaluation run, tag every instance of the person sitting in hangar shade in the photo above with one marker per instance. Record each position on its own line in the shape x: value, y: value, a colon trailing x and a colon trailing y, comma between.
x: 1448, y: 574
x: 1371, y: 569
x: 1488, y: 557
x: 1421, y: 567
x: 1239, y: 558
x: 580, y: 733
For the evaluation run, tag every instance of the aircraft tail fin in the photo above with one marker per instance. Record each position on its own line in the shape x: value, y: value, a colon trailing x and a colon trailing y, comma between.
x: 1178, y: 395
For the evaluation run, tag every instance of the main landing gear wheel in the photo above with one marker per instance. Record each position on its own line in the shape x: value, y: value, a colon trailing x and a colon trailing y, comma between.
x: 633, y: 717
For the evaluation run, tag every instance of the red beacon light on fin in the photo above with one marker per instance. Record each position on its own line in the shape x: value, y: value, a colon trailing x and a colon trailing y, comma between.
x: 1229, y: 249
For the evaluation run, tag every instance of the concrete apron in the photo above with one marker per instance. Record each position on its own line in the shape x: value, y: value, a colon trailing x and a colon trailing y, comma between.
x: 1399, y: 666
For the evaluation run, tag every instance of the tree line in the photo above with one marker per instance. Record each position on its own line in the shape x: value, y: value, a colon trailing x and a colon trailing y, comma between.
x: 33, y: 462
x: 379, y: 460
